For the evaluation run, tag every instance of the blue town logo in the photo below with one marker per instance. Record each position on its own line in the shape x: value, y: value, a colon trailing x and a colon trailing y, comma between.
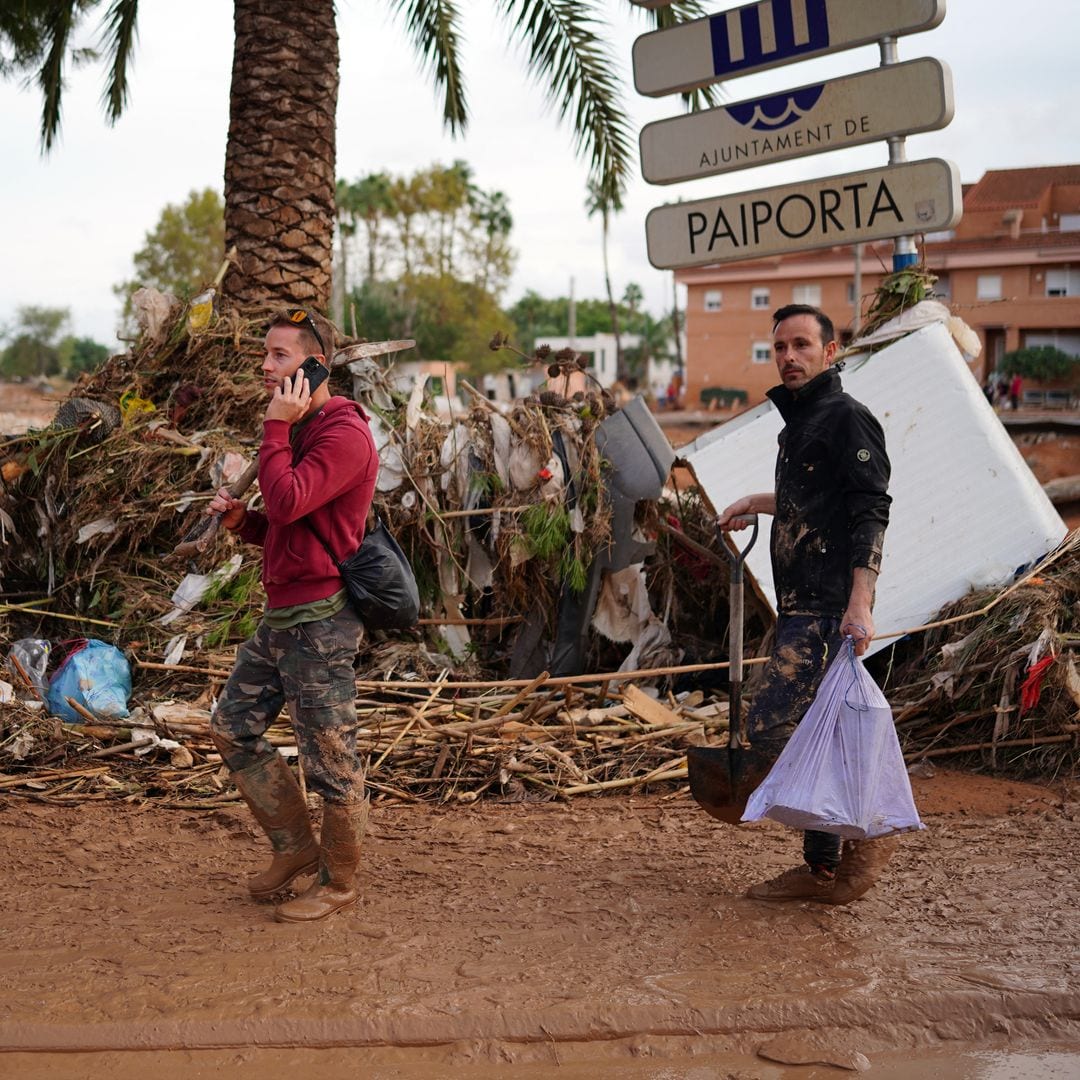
x: 768, y: 32
x: 778, y: 111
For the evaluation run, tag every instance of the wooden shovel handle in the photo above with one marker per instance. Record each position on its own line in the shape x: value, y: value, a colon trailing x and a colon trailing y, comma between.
x: 201, y: 536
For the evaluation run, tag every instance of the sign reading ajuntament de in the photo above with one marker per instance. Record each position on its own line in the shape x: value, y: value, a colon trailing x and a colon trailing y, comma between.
x: 767, y: 34
x: 899, y: 99
x: 877, y: 204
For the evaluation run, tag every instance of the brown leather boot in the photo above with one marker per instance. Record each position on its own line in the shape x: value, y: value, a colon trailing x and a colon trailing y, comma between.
x: 861, y: 863
x: 271, y: 791
x: 336, y: 887
x: 798, y: 883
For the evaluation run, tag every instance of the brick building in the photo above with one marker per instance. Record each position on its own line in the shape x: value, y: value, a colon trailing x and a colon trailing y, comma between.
x: 1010, y: 269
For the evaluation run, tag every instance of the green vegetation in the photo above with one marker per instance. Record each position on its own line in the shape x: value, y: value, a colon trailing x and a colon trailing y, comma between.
x: 36, y: 345
x: 183, y: 251
x: 1042, y: 363
x: 237, y: 606
x: 724, y: 396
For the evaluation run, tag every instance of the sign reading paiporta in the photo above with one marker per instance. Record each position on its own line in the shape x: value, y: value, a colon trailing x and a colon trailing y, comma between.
x: 768, y: 34
x: 877, y: 204
x: 899, y: 99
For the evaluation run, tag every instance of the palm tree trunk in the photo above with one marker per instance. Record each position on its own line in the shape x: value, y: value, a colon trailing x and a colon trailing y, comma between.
x: 619, y: 372
x: 281, y: 153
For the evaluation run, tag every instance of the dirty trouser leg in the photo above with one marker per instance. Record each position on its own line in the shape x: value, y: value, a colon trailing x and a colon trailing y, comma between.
x: 249, y: 704
x: 804, y: 646
x: 315, y: 661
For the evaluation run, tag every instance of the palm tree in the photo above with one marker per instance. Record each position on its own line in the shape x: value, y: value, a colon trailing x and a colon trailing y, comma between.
x: 491, y: 210
x: 373, y: 201
x: 632, y: 297
x: 281, y: 151
x: 606, y: 201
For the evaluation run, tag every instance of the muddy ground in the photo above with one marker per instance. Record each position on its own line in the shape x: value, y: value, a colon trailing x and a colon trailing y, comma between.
x: 604, y: 937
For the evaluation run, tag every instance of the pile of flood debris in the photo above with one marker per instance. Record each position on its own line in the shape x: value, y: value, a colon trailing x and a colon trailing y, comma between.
x: 574, y: 597
x: 993, y: 681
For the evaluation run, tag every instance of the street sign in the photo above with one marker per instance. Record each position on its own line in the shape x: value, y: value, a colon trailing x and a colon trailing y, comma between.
x: 898, y: 200
x: 768, y: 34
x: 898, y: 99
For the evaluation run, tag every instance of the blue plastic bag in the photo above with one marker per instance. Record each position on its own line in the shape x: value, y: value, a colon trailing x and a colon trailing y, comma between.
x: 97, y: 676
x: 842, y: 770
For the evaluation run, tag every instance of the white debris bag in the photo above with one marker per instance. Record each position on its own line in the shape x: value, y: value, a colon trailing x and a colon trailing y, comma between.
x: 842, y: 771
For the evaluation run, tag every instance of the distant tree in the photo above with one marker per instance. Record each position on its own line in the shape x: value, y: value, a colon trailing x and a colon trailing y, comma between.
x: 372, y: 202
x: 33, y: 341
x: 632, y: 297
x: 537, y: 317
x: 654, y: 343
x: 81, y: 354
x: 491, y: 213
x: 450, y: 319
x: 184, y: 250
x: 605, y: 201
x: 1042, y: 363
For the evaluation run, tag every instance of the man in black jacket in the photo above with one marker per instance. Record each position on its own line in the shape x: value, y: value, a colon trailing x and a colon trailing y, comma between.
x: 831, y: 509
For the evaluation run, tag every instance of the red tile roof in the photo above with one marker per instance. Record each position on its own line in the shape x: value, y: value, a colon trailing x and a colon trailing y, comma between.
x: 1004, y: 189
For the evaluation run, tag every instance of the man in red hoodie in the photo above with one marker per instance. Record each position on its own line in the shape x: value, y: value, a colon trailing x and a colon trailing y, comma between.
x: 317, y: 472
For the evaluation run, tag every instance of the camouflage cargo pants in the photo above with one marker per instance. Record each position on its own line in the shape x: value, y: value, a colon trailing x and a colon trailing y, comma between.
x: 805, y: 645
x: 309, y: 669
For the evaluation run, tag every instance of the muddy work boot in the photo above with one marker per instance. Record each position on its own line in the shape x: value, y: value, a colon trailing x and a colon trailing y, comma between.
x: 861, y: 863
x: 799, y: 883
x: 271, y: 791
x: 336, y: 886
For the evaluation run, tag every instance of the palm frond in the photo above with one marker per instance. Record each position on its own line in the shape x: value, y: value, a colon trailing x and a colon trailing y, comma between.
x: 564, y: 42
x: 680, y: 11
x: 433, y: 27
x: 118, y: 37
x: 50, y: 76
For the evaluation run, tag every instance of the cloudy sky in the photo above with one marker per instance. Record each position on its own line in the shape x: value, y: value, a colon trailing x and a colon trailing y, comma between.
x: 74, y: 220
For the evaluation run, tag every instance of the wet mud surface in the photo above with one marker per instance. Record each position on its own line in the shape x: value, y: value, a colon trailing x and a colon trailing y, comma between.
x: 608, y: 937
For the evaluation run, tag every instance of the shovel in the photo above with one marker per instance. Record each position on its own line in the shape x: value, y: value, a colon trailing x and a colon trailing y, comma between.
x: 721, y: 779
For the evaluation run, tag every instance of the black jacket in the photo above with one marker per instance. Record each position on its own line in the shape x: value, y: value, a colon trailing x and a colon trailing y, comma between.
x: 832, y: 506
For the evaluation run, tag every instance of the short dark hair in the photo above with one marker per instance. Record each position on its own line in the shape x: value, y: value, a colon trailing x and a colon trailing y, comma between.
x: 824, y: 322
x: 305, y: 320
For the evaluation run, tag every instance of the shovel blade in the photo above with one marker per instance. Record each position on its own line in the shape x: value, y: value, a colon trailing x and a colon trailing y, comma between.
x: 721, y: 781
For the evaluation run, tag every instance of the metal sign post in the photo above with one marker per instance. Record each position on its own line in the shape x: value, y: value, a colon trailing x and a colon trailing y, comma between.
x: 889, y: 103
x: 904, y: 250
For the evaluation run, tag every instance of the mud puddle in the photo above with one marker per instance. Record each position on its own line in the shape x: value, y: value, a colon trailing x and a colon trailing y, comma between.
x: 604, y: 938
x: 341, y: 1064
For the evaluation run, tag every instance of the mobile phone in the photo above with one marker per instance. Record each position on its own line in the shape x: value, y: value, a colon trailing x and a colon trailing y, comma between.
x: 316, y: 373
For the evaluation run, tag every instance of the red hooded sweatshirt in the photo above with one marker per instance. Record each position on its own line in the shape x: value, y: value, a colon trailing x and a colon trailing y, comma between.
x: 326, y: 475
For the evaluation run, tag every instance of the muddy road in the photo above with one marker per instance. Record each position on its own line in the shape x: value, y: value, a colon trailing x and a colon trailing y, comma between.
x: 605, y: 937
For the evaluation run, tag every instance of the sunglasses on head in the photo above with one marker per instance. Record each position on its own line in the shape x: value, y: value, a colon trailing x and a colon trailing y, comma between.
x: 299, y: 317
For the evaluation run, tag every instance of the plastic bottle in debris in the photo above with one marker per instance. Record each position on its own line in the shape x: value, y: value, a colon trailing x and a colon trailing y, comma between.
x: 32, y: 656
x: 200, y: 310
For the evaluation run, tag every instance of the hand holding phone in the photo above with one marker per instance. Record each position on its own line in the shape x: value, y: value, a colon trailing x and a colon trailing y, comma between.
x: 316, y: 372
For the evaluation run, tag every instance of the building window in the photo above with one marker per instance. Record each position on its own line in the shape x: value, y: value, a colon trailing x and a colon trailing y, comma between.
x: 806, y: 294
x: 1064, y: 282
x: 1069, y: 222
x: 714, y: 300
x: 988, y: 287
x: 1068, y: 341
x: 942, y: 288
x: 851, y: 293
x: 759, y: 298
x: 761, y: 352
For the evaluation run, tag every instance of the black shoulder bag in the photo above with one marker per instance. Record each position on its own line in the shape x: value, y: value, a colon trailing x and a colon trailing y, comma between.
x: 378, y: 580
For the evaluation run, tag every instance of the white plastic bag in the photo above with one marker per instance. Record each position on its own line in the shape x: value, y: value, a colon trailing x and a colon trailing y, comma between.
x: 842, y: 770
